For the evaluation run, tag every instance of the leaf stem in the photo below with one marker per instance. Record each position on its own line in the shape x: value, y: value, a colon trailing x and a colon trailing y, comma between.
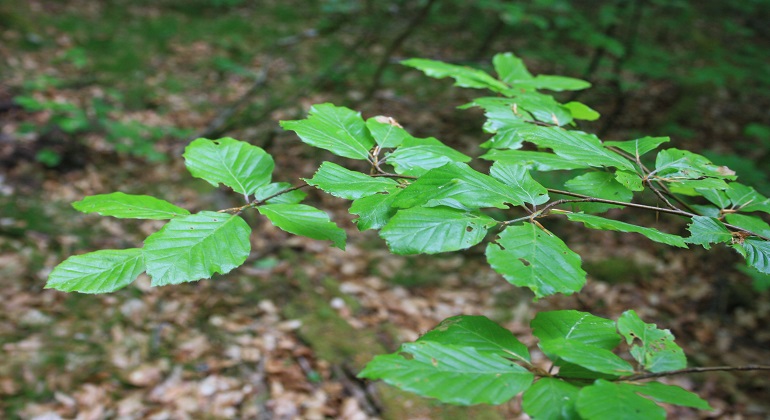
x: 255, y: 203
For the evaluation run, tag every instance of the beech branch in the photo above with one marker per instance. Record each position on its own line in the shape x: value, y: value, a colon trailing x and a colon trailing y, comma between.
x: 692, y: 370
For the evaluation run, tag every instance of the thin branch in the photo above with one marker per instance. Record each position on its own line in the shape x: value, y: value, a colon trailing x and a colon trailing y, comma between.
x: 389, y: 175
x: 692, y: 370
x: 255, y: 203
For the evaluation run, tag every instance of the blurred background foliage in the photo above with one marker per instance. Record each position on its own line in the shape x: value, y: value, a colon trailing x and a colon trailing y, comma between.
x: 97, y: 96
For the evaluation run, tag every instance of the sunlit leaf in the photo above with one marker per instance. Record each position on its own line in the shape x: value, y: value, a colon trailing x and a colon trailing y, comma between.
x: 579, y: 147
x: 430, y: 230
x: 638, y: 147
x: 195, y: 247
x: 517, y: 176
x: 129, y: 206
x: 652, y: 348
x: 607, y: 400
x: 304, y: 220
x: 464, y: 76
x: 102, y: 271
x: 375, y: 210
x: 706, y: 231
x: 534, y: 161
x: 386, y: 134
x: 334, y: 128
x: 581, y: 111
x: 600, y: 185
x: 480, y: 333
x: 417, y: 156
x: 596, y: 222
x: 269, y: 190
x: 344, y: 183
x: 581, y: 327
x: 234, y: 163
x: 551, y: 398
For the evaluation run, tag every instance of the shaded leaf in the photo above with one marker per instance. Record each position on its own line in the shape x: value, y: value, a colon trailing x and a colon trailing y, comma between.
x: 510, y: 68
x: 706, y: 231
x: 551, y: 398
x: 630, y: 180
x: 579, y: 147
x: 195, y: 247
x: 375, y: 210
x: 529, y: 257
x: 655, y: 349
x: 591, y: 357
x: 572, y: 325
x: 291, y: 197
x: 638, y: 147
x: 417, y: 156
x: 750, y: 223
x: 385, y: 134
x: 432, y: 230
x: 102, y: 271
x: 517, y: 177
x: 480, y: 333
x: 463, y: 76
x: 129, y: 206
x: 601, y: 223
x: 670, y: 394
x: 600, y: 185
x: 757, y: 253
x: 452, y: 374
x: 607, y: 400
x: 747, y: 199
x: 534, y: 161
x: 304, y: 220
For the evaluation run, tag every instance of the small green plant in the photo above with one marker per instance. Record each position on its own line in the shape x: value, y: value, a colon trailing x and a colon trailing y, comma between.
x: 424, y: 198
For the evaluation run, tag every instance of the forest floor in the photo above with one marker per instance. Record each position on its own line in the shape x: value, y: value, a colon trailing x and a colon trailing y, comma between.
x: 284, y: 336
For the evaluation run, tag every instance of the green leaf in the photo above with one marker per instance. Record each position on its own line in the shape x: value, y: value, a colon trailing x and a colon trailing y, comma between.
x: 102, y: 271
x: 234, y: 163
x: 510, y: 68
x: 600, y: 185
x: 719, y: 198
x: 760, y: 282
x: 578, y: 147
x: 508, y: 122
x: 459, y: 186
x: 195, y: 247
x: 588, y: 356
x: 291, y: 197
x: 386, y: 132
x: 431, y: 230
x: 750, y: 223
x: 609, y: 401
x: 551, y: 398
x: 674, y: 165
x: 480, y: 333
x: 347, y: 184
x: 554, y: 83
x: 601, y: 223
x: 581, y: 111
x: 630, y: 180
x: 374, y: 211
x: 534, y: 161
x: 747, y: 199
x: 757, y: 253
x: 638, y: 147
x: 417, y: 156
x: 706, y: 231
x: 304, y: 220
x: 574, y: 371
x: 463, y: 76
x: 339, y: 130
x: 542, y: 107
x: 129, y: 206
x: 452, y: 374
x: 517, y: 177
x: 529, y: 257
x: 655, y: 349
x: 580, y: 327
x: 670, y: 394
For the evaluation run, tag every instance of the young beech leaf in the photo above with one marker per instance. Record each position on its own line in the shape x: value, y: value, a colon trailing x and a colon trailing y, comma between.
x: 457, y: 185
x: 757, y: 253
x: 480, y: 333
x: 527, y: 256
x: 303, y: 220
x: 234, y: 163
x: 601, y: 185
x: 430, y: 230
x: 572, y: 325
x: 578, y: 146
x: 653, y: 348
x: 291, y: 197
x: 195, y: 247
x: 581, y: 111
x: 129, y: 206
x: 417, y: 156
x: 542, y: 107
x: 510, y: 68
x: 638, y: 147
x: 347, y: 184
x: 375, y: 210
x: 508, y: 122
x: 337, y: 129
x: 747, y: 199
x: 386, y: 132
x: 517, y: 177
x: 596, y: 222
x: 706, y: 231
x: 463, y: 76
x: 551, y: 398
x: 452, y: 374
x: 534, y: 161
x: 610, y: 400
x: 102, y: 271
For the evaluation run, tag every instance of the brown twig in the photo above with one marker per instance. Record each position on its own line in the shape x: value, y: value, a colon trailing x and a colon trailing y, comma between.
x: 692, y: 370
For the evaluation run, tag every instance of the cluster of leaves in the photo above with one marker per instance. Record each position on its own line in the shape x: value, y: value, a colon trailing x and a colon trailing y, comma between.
x: 424, y: 198
x: 471, y: 360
